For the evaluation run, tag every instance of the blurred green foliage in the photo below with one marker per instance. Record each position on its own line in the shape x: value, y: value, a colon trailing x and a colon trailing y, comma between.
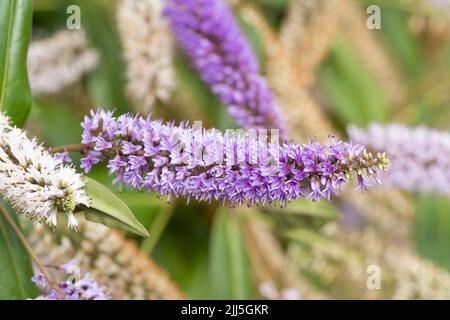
x: 15, y: 263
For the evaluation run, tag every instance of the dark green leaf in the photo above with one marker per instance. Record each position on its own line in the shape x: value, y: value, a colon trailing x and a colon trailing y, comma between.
x: 15, y: 31
x: 108, y: 209
x: 229, y: 266
x: 15, y: 264
x: 277, y: 4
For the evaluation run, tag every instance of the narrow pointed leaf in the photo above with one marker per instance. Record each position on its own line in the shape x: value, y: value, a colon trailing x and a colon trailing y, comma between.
x: 229, y: 265
x: 108, y: 209
x: 15, y: 31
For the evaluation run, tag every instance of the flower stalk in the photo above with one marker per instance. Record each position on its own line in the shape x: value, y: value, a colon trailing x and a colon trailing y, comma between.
x: 206, y: 165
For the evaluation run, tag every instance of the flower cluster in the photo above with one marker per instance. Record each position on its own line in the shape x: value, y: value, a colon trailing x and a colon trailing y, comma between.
x: 420, y: 156
x: 440, y: 5
x: 33, y: 181
x: 59, y: 61
x: 207, y: 165
x: 105, y: 253
x: 148, y: 51
x: 210, y: 35
x: 269, y: 291
x: 74, y: 288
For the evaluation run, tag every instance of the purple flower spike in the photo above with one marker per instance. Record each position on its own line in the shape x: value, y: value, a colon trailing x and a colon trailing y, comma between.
x: 420, y: 156
x: 205, y: 165
x: 210, y: 35
x: 76, y: 287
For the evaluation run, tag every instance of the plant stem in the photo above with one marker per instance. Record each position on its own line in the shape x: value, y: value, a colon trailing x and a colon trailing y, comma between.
x: 30, y: 250
x: 157, y: 228
x: 68, y: 147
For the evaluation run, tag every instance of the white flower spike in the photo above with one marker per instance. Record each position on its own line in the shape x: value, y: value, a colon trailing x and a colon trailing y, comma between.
x: 34, y: 182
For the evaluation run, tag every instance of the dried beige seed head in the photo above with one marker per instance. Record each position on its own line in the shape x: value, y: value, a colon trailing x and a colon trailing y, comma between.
x: 304, y: 117
x: 148, y: 51
x: 110, y: 258
x: 370, y: 49
x: 59, y: 61
x: 276, y: 274
x: 308, y: 31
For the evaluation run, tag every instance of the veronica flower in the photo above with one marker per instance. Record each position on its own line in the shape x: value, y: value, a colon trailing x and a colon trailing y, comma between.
x: 74, y: 288
x: 210, y: 35
x: 59, y: 61
x: 206, y: 165
x: 148, y: 51
x: 33, y: 181
x: 420, y: 157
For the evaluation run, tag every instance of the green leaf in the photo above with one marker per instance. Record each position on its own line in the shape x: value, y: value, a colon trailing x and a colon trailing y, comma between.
x: 353, y: 92
x: 229, y: 266
x: 324, y: 210
x: 276, y: 4
x: 403, y: 44
x: 432, y: 228
x: 315, y: 240
x: 15, y: 264
x: 15, y: 31
x: 255, y: 40
x: 106, y: 83
x: 108, y: 209
x: 185, y: 254
x: 304, y: 213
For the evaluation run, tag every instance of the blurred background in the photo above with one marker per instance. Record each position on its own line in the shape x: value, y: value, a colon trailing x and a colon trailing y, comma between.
x: 328, y: 66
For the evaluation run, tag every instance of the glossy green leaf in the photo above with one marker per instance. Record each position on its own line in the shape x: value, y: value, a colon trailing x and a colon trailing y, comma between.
x: 229, y: 266
x: 144, y: 206
x: 15, y: 264
x: 108, y: 209
x: 15, y: 31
